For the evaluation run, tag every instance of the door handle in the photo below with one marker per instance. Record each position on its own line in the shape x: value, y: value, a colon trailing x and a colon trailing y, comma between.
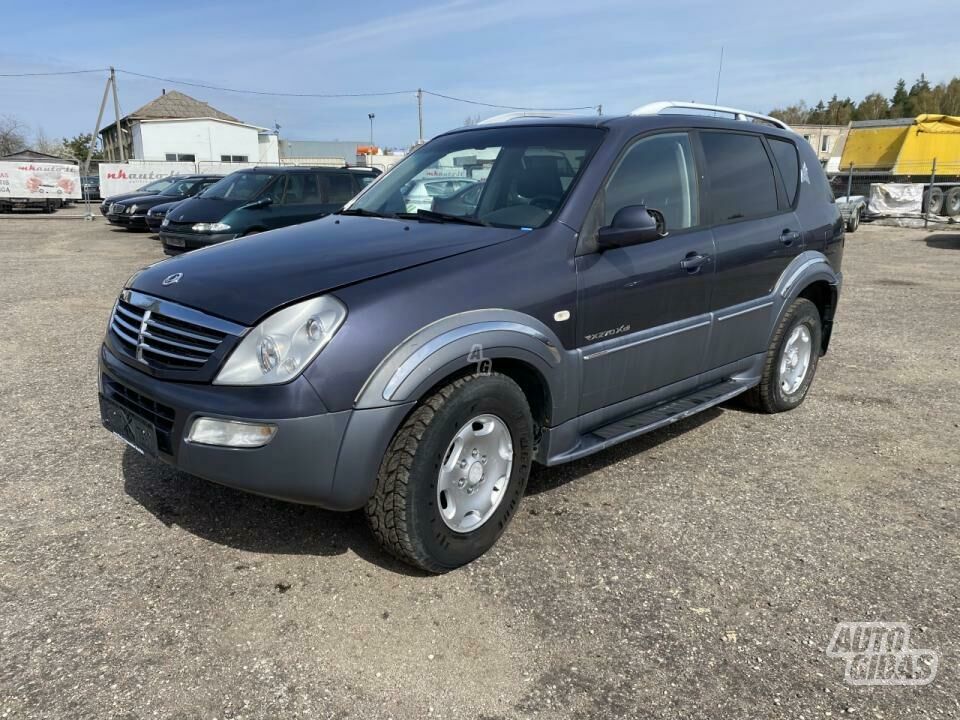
x: 788, y: 237
x: 693, y: 261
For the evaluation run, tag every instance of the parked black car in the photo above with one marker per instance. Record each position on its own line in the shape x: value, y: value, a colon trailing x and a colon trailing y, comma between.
x: 157, y: 213
x: 251, y: 201
x: 416, y: 364
x: 90, y: 187
x: 132, y: 212
x: 151, y: 188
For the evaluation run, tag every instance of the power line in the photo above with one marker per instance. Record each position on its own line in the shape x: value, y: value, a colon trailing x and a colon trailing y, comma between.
x: 243, y: 91
x: 505, y: 107
x: 263, y: 92
x: 61, y: 72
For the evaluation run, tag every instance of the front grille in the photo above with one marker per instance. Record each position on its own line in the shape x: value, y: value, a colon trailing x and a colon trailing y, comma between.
x: 161, y: 340
x: 157, y: 414
x: 179, y: 227
x: 116, y: 209
x: 166, y: 336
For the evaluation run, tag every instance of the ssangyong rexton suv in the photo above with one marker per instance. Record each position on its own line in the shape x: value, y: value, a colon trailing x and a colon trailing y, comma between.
x: 616, y: 274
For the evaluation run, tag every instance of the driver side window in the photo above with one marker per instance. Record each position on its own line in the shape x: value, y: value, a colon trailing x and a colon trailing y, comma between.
x: 658, y: 172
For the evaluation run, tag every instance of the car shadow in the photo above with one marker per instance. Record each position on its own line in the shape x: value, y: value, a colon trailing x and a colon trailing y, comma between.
x: 943, y: 241
x: 252, y: 523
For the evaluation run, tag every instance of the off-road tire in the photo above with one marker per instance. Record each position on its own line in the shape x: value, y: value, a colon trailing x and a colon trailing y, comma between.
x: 951, y: 202
x: 403, y: 512
x: 933, y: 201
x: 768, y: 396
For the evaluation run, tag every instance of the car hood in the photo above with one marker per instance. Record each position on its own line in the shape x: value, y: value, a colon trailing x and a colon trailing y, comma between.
x: 245, y: 279
x: 207, y: 210
x: 126, y: 196
x: 166, y: 206
x: 145, y: 202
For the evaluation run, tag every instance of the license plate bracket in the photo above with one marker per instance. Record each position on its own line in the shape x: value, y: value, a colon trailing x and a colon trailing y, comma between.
x: 132, y: 429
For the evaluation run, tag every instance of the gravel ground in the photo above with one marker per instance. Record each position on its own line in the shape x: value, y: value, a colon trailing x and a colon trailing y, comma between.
x: 695, y: 572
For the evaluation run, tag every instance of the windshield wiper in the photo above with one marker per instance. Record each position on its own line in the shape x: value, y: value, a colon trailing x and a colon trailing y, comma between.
x: 434, y: 216
x: 363, y: 212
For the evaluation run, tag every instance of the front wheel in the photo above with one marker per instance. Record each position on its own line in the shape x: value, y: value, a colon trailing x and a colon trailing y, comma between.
x: 791, y: 360
x: 454, y: 474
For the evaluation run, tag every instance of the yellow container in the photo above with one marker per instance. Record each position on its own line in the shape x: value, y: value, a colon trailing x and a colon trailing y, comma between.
x: 905, y: 147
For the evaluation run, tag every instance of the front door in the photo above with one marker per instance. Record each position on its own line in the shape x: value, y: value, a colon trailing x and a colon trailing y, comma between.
x: 644, y: 319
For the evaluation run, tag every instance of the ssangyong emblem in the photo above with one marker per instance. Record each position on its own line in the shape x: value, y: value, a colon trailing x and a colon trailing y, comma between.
x: 171, y: 279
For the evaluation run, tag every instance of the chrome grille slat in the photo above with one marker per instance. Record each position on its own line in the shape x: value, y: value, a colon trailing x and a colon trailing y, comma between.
x: 124, y: 324
x: 157, y: 351
x: 129, y: 313
x: 185, y: 333
x: 174, y: 343
x: 123, y: 336
x: 167, y: 336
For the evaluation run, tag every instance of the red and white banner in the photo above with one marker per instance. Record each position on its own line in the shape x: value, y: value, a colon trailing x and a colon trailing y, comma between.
x: 38, y: 180
x: 117, y: 178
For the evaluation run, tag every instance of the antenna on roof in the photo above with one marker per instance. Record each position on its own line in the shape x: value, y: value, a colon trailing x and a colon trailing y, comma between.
x: 716, y: 97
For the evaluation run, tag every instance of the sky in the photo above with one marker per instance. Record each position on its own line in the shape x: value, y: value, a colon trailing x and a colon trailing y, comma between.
x: 530, y: 53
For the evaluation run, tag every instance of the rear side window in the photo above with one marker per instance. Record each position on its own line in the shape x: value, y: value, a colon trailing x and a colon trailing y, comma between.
x: 785, y: 153
x: 339, y: 187
x: 742, y: 183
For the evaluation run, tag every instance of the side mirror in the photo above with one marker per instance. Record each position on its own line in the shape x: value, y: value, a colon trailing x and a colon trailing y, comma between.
x: 262, y: 202
x: 632, y: 225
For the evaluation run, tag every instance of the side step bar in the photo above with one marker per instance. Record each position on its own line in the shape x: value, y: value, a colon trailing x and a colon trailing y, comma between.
x: 655, y: 417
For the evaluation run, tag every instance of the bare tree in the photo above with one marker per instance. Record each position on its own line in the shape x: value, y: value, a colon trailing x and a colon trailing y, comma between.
x: 45, y: 145
x: 12, y: 135
x: 471, y: 120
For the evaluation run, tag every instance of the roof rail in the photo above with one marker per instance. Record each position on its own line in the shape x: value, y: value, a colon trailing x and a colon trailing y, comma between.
x: 520, y: 115
x: 658, y: 108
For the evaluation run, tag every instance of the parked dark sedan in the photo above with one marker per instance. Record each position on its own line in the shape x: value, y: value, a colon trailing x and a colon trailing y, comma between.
x: 132, y: 213
x: 90, y: 187
x: 151, y: 188
x: 157, y: 213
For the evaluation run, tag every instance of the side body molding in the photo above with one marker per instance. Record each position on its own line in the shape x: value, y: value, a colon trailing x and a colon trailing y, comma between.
x: 476, y: 338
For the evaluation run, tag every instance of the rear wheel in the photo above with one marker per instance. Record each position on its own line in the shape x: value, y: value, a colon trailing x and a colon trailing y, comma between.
x: 454, y: 474
x: 791, y: 360
x: 933, y: 200
x: 951, y: 202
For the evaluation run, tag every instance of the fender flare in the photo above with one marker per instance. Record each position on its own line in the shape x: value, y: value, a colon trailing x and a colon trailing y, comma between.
x: 474, y: 338
x: 805, y: 269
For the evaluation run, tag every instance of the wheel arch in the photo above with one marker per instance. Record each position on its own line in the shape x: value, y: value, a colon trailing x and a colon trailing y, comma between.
x: 810, y: 276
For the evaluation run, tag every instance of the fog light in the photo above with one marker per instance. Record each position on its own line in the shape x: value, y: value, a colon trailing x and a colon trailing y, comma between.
x: 230, y: 433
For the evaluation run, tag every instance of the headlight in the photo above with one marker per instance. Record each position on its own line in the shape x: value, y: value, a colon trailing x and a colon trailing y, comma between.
x: 210, y: 227
x: 131, y: 210
x: 166, y: 221
x: 280, y: 347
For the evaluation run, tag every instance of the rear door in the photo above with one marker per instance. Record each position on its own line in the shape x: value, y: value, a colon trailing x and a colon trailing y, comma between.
x: 643, y: 313
x: 757, y: 234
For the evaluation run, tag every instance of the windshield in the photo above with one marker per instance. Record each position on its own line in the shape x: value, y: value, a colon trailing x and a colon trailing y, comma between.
x: 239, y: 186
x: 180, y: 188
x: 158, y: 185
x: 516, y: 177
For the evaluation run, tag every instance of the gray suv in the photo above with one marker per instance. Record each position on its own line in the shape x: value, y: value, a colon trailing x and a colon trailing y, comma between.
x: 614, y: 275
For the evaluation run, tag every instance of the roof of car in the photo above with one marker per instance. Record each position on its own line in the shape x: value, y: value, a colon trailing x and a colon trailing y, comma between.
x: 634, y: 122
x: 307, y: 168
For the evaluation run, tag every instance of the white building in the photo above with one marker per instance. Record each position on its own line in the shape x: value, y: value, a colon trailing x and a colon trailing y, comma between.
x: 178, y: 128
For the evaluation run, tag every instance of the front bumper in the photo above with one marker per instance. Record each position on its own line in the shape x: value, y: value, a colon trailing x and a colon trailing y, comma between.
x: 330, y: 459
x: 191, y: 241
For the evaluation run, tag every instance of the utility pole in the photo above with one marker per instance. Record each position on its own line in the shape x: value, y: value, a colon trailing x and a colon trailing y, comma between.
x: 420, y: 114
x: 371, y: 116
x: 96, y: 129
x: 116, y: 110
x: 600, y: 110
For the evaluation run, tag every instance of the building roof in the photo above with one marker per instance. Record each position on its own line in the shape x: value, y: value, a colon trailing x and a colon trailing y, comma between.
x: 175, y: 105
x: 27, y: 154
